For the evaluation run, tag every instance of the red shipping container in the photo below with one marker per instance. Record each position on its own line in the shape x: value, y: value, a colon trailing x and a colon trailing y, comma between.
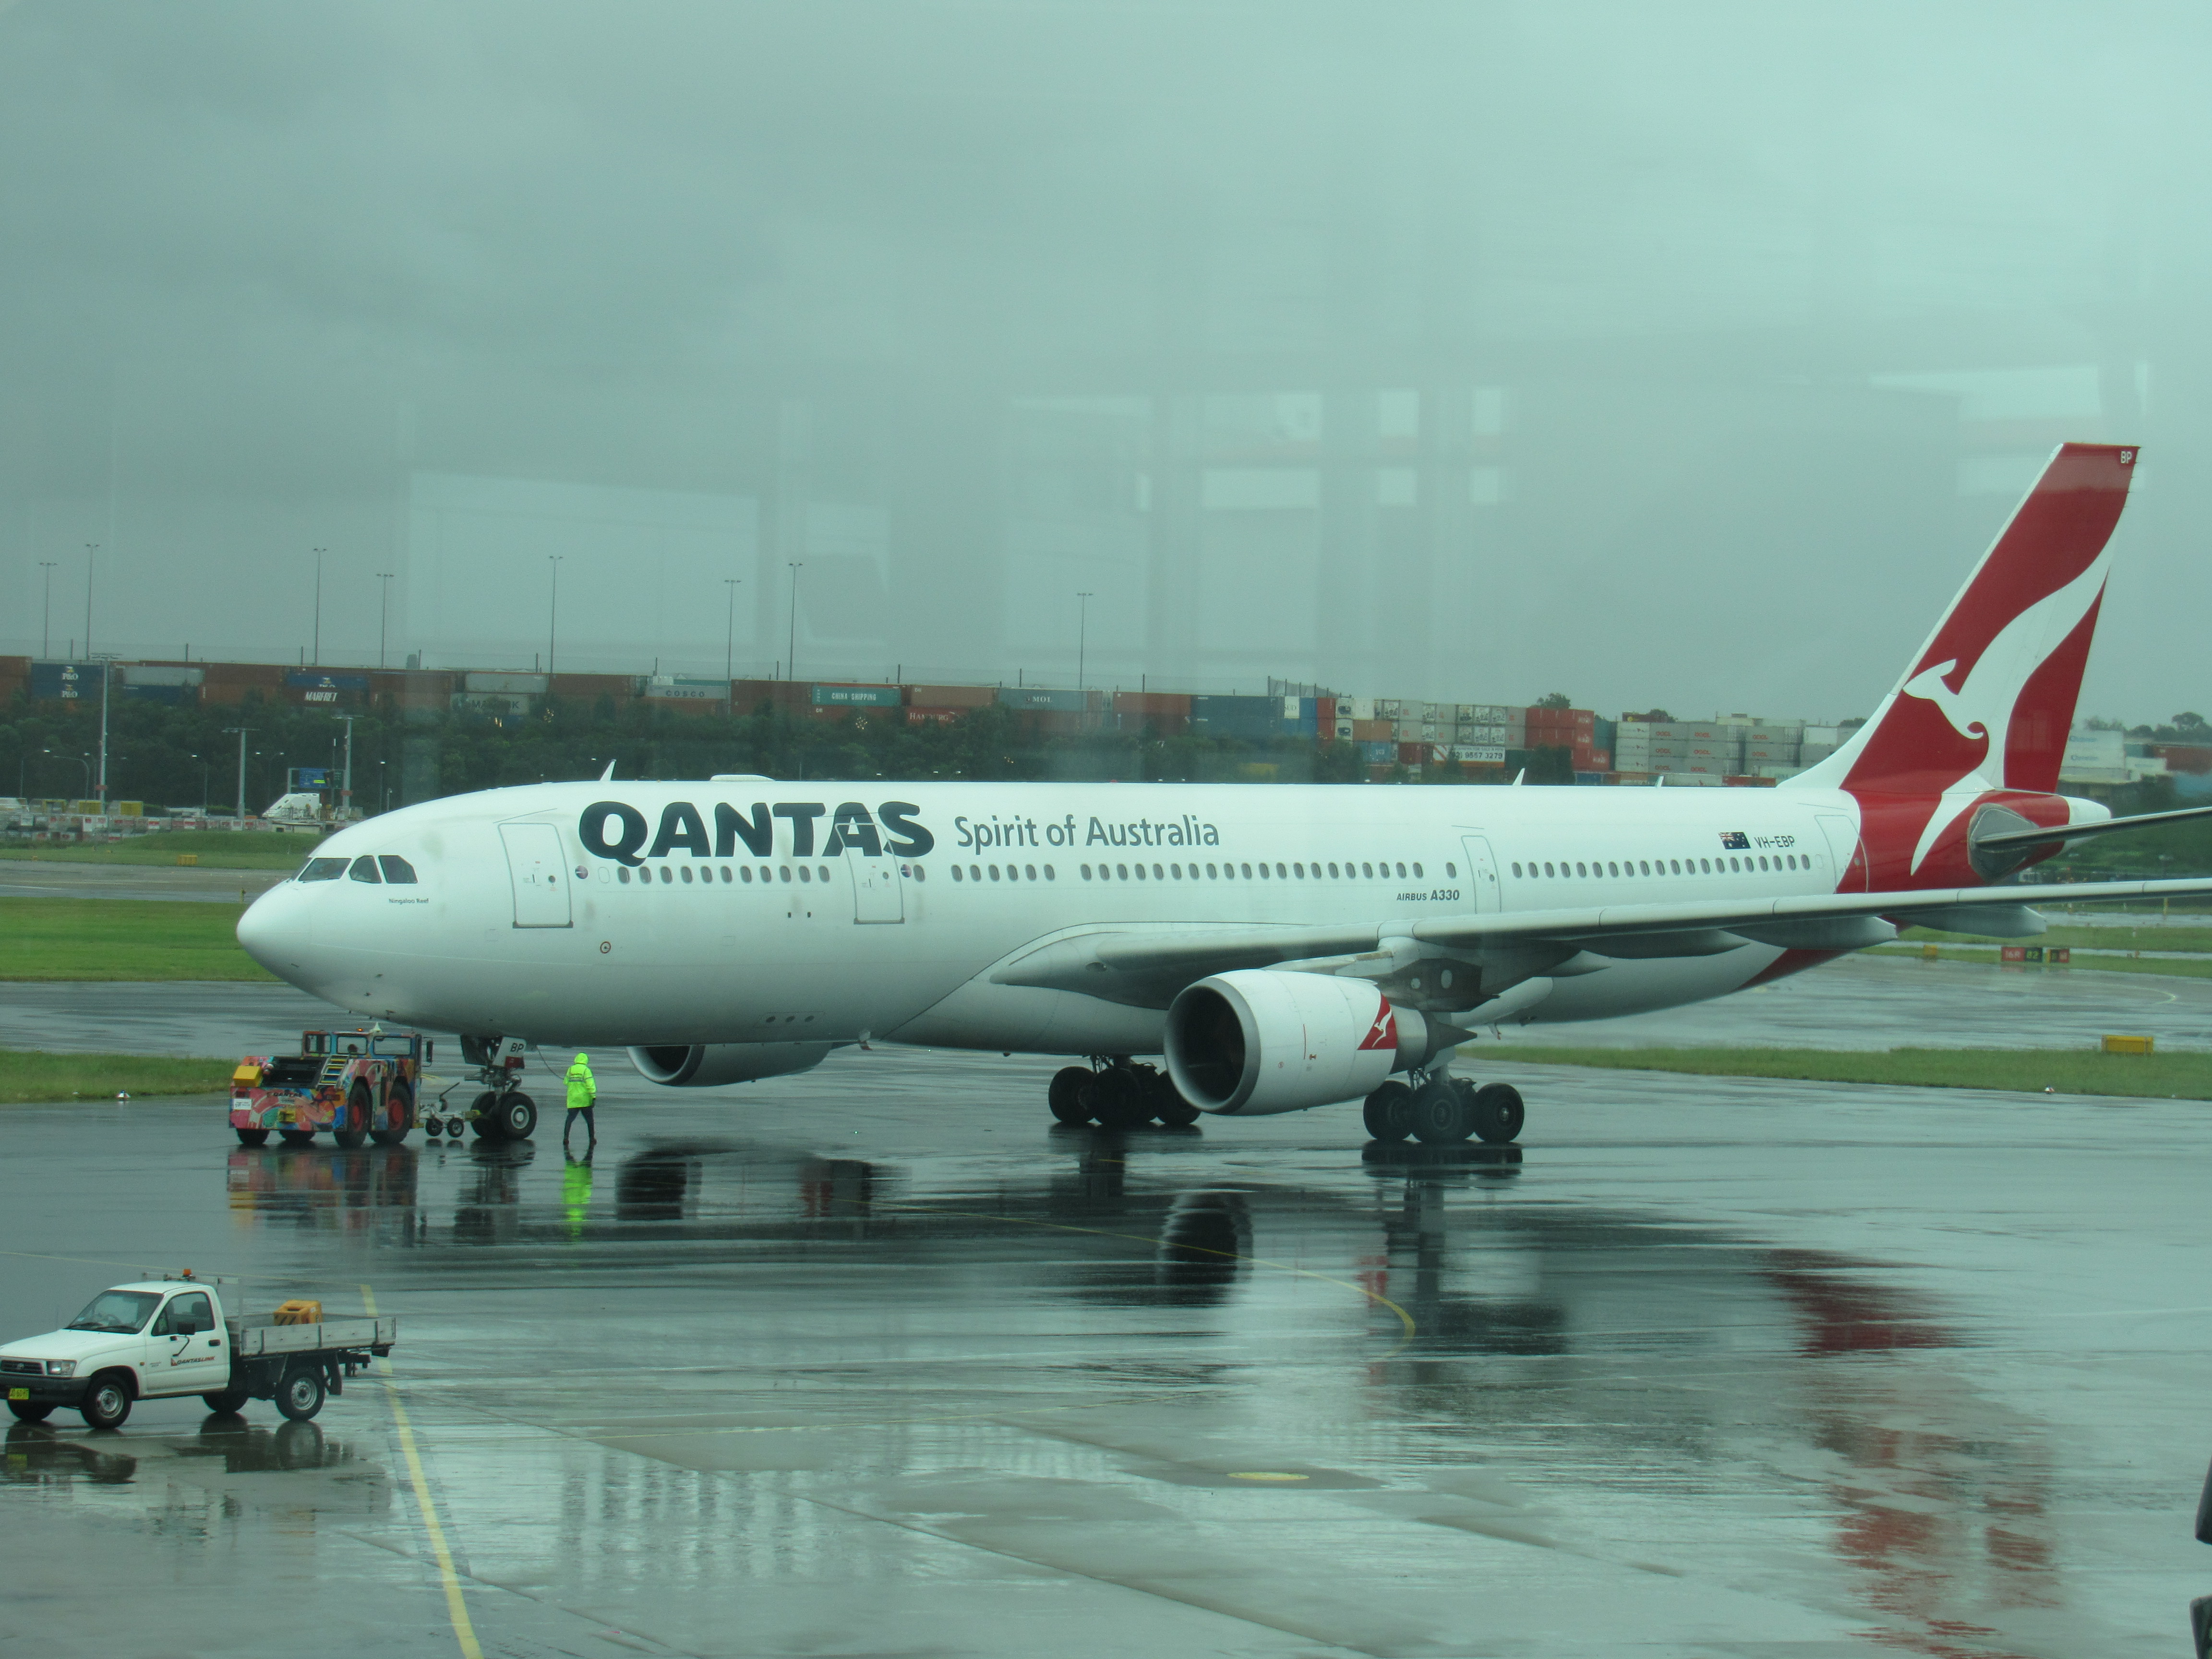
x: 1152, y: 702
x: 1373, y: 731
x: 915, y: 716
x: 1413, y: 754
x: 951, y: 696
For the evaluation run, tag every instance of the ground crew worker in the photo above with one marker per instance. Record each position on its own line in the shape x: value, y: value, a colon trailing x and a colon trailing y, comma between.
x: 583, y: 1089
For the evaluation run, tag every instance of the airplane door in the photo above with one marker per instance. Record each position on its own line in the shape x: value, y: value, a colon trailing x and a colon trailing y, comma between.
x: 878, y: 894
x: 1481, y: 887
x: 538, y: 866
x: 1842, y: 838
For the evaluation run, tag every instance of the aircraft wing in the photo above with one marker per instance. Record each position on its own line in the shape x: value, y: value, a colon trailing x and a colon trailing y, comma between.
x: 1145, y: 969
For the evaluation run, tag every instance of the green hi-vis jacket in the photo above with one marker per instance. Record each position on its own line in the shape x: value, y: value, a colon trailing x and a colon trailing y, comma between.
x: 583, y: 1089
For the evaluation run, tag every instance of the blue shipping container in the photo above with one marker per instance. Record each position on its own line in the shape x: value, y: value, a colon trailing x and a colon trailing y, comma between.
x: 317, y: 679
x: 1060, y: 701
x: 1269, y: 708
x: 856, y: 696
x: 65, y: 679
x: 1378, y: 754
x: 169, y: 693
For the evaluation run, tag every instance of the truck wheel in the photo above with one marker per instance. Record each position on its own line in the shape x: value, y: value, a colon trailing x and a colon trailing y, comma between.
x: 228, y: 1403
x: 299, y: 1396
x: 483, y: 1117
x: 31, y: 1411
x: 402, y: 1105
x: 108, y: 1401
x: 251, y: 1137
x: 296, y: 1137
x: 355, y: 1118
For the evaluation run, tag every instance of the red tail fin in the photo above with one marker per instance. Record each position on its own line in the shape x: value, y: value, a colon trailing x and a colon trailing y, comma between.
x: 1990, y: 697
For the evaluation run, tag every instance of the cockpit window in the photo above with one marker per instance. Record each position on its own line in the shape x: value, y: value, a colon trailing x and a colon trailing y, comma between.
x: 397, y: 869
x: 323, y: 869
x: 364, y: 869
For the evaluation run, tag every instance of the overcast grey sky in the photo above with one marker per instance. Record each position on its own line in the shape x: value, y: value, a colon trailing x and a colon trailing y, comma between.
x: 1680, y: 354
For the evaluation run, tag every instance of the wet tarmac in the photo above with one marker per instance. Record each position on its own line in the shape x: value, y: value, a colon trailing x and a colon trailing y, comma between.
x: 875, y: 1360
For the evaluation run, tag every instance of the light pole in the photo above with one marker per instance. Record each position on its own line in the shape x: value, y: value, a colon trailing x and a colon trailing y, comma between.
x: 106, y: 662
x: 345, y: 784
x: 1082, y: 634
x: 318, y: 605
x: 553, y: 615
x: 46, y: 628
x: 91, y: 553
x: 204, y: 769
x: 84, y: 760
x: 791, y: 645
x: 383, y: 614
x: 241, y: 731
x: 730, y: 642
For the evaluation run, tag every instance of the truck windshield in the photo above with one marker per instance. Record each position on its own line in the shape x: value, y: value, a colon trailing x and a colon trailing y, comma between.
x: 121, y: 1311
x: 323, y: 869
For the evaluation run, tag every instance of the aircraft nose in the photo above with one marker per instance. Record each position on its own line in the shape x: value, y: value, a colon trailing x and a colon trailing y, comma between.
x: 274, y: 932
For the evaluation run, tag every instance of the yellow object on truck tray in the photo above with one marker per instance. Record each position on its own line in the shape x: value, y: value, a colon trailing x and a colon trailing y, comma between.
x: 300, y: 1313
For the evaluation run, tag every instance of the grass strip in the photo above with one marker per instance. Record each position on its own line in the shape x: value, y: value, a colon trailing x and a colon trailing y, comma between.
x: 28, y: 1077
x: 2028, y: 1071
x: 121, y: 938
x: 215, y: 850
x: 1988, y: 954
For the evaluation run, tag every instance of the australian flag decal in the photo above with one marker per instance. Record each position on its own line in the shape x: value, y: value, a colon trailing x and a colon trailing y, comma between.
x: 1735, y: 840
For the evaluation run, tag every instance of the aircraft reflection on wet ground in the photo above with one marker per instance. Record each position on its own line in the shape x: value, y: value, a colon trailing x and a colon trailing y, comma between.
x: 1582, y: 1376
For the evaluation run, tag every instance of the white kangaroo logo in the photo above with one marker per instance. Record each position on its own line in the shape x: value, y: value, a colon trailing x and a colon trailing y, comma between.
x: 1983, y: 706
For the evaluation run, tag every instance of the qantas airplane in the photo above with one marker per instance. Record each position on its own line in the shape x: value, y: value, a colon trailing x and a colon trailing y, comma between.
x: 1282, y: 947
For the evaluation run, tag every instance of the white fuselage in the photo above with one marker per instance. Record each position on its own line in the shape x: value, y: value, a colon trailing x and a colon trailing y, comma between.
x: 879, y: 909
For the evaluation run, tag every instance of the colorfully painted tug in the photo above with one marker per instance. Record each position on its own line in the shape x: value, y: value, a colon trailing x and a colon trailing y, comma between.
x: 357, y: 1085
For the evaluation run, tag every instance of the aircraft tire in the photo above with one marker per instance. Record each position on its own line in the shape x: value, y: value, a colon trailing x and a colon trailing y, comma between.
x: 1389, y: 1112
x: 484, y: 1117
x: 1064, y: 1097
x: 1499, y: 1112
x: 1170, y: 1109
x: 1116, y: 1101
x: 1441, y: 1113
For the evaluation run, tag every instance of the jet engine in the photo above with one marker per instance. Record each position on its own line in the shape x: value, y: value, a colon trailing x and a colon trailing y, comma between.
x: 1260, y: 1040
x: 708, y: 1066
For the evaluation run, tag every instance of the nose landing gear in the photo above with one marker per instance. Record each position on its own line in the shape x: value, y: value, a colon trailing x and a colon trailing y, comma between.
x: 1116, y: 1093
x: 503, y: 1111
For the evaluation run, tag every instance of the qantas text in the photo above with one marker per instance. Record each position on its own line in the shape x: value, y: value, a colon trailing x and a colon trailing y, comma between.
x: 615, y: 829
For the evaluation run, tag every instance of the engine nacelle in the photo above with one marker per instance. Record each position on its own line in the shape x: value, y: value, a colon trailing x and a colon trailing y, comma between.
x: 708, y: 1065
x: 1260, y: 1041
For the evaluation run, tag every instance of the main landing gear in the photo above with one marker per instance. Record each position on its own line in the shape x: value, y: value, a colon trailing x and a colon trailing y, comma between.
x: 1116, y: 1094
x: 1441, y: 1108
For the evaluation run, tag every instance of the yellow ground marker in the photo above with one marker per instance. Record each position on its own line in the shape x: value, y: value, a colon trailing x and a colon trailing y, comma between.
x: 1265, y: 1474
x: 457, y: 1610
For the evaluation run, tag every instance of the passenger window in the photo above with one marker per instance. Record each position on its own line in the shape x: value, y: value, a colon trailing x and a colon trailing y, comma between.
x: 1121, y: 872
x: 1647, y: 866
x: 956, y: 873
x: 1678, y: 866
x: 1516, y: 872
x: 365, y: 870
x: 1263, y: 872
x: 1211, y: 874
x: 1028, y: 872
x: 1174, y: 872
x: 1402, y: 873
x: 1048, y: 875
x: 687, y: 875
x: 727, y: 876
x: 994, y: 871
x: 621, y: 874
x: 783, y: 872
x: 1452, y: 872
x: 1417, y: 873
x: 323, y: 869
x: 1087, y: 871
x: 397, y: 870
x: 1157, y: 874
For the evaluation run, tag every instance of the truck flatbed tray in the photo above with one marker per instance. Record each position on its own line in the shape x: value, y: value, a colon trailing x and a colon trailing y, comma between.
x: 253, y: 1340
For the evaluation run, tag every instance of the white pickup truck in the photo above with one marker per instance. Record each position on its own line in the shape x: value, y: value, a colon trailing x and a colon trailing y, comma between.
x: 168, y: 1337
